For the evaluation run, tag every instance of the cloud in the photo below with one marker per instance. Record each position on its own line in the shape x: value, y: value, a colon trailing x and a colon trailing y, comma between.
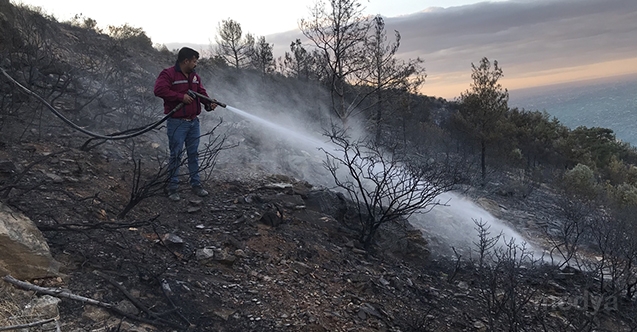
x: 524, y: 36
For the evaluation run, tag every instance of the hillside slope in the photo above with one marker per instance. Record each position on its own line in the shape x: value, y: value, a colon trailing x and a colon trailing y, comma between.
x: 267, y: 250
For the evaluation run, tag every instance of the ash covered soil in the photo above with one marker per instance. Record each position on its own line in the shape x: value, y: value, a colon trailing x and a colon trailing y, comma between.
x: 262, y: 252
x: 258, y: 254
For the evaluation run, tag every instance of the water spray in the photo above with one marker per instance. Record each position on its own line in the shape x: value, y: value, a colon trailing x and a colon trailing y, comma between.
x: 461, y: 232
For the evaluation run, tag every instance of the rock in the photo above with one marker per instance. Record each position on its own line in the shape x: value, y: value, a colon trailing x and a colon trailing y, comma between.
x: 127, y: 307
x: 72, y: 179
x: 240, y: 253
x: 224, y: 257
x: 25, y: 253
x: 224, y: 313
x: 327, y: 202
x: 55, y: 178
x: 287, y: 201
x: 314, y: 328
x: 301, y: 188
x: 170, y: 239
x: 196, y: 202
x: 193, y: 209
x: 45, y: 306
x: 370, y: 310
x: 95, y: 314
x: 7, y: 167
x: 409, y: 244
x: 479, y: 326
x: 273, y: 216
x: 463, y: 285
x: 204, y: 254
x: 166, y: 286
x: 301, y: 267
x: 252, y: 198
x: 230, y: 241
x: 397, y: 283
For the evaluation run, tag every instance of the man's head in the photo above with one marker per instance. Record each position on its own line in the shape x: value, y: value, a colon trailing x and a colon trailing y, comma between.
x: 187, y: 59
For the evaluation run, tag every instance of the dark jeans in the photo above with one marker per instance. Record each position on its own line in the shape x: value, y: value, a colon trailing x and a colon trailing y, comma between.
x: 182, y: 132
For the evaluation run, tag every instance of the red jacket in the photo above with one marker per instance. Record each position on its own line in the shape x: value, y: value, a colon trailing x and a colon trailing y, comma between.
x: 172, y: 84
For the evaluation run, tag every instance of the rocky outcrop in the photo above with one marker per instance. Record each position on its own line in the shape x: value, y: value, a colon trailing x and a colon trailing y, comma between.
x: 24, y: 252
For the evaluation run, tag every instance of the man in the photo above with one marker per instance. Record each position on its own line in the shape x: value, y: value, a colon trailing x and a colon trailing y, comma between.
x: 172, y: 86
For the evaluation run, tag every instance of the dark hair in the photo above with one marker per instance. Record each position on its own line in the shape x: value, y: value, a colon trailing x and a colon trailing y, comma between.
x: 186, y: 53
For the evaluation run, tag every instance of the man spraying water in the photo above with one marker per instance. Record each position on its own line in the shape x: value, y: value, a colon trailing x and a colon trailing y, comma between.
x: 173, y: 86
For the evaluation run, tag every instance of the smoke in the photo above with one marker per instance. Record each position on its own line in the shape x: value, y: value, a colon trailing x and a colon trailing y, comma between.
x: 277, y: 122
x: 279, y: 127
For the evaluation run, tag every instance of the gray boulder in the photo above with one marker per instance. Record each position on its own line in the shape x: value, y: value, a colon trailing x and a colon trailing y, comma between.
x: 24, y: 252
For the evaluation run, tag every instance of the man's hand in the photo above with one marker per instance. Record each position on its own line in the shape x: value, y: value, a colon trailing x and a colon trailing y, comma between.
x: 187, y: 99
x: 210, y: 107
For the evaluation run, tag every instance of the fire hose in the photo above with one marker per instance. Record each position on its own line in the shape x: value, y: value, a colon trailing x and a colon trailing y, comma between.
x: 137, y: 131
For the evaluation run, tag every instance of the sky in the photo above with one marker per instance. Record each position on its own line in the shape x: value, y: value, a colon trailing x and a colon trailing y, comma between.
x: 536, y: 42
x: 158, y: 17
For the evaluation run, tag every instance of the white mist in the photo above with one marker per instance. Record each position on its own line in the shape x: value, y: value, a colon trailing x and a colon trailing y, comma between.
x: 453, y: 225
x: 449, y: 225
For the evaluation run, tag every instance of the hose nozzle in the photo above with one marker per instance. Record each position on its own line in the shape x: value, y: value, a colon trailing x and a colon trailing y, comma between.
x: 214, y: 101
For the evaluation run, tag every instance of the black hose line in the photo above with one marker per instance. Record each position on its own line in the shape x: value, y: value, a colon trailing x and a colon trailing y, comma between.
x: 141, y: 131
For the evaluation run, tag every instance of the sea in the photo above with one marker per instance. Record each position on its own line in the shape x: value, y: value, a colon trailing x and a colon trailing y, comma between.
x: 607, y: 103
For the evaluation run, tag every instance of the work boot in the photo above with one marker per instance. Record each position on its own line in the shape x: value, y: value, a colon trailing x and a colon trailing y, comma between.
x: 199, y: 191
x: 173, y: 196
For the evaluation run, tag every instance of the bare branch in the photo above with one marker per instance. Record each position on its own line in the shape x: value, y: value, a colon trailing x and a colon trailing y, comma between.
x: 24, y: 326
x: 62, y: 293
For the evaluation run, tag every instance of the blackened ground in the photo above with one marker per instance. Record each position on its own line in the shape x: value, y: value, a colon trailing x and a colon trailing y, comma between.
x: 281, y: 261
